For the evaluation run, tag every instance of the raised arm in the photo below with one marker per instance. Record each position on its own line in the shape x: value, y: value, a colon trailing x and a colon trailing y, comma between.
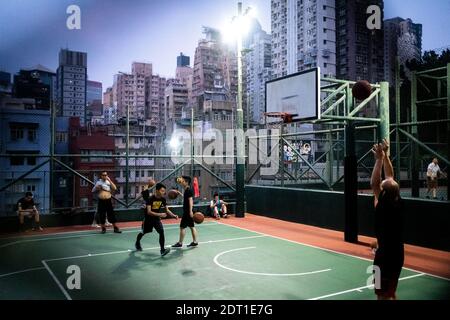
x: 375, y: 181
x: 387, y: 164
x: 113, y: 186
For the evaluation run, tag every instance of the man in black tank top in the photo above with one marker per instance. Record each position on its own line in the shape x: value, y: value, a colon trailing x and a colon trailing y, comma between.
x: 388, y: 204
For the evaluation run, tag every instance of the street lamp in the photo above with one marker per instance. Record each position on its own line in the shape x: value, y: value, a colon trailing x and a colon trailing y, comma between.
x: 240, y: 25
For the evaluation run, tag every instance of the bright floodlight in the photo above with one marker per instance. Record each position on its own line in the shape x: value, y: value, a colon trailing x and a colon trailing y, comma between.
x: 238, y: 26
x: 229, y: 32
x: 243, y: 25
x: 174, y: 143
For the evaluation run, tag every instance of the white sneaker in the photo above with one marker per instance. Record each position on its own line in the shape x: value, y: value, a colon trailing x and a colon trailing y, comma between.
x: 108, y: 224
x: 94, y: 225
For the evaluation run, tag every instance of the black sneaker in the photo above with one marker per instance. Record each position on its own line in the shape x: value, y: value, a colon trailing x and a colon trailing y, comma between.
x: 103, y: 230
x: 117, y: 230
x: 164, y: 252
x: 138, y: 247
x: 177, y: 245
x: 192, y: 244
x: 428, y: 197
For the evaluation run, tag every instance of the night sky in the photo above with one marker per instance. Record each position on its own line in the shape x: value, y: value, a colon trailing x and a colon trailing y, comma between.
x: 117, y: 32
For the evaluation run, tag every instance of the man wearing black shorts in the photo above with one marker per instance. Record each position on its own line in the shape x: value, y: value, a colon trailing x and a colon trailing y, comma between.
x: 188, y: 215
x: 156, y: 208
x: 389, y: 256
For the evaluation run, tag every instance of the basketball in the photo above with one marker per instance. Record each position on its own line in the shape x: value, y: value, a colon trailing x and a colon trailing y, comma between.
x: 172, y: 194
x: 151, y: 183
x: 199, y: 217
x: 362, y: 90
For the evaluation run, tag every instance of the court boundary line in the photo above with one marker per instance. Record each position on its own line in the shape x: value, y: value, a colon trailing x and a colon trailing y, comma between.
x: 20, y: 271
x: 362, y: 288
x: 66, y: 294
x: 91, y: 230
x: 262, y: 273
x: 330, y: 250
x: 59, y: 233
x: 151, y: 248
x: 127, y: 230
x: 88, y: 255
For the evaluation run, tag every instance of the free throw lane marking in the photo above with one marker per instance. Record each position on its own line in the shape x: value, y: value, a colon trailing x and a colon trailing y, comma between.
x: 216, y: 261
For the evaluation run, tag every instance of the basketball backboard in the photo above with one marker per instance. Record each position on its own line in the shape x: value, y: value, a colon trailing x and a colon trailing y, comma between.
x: 297, y: 94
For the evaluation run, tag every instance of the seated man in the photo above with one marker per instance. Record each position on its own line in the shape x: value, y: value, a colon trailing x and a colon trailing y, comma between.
x: 27, y: 208
x: 218, y: 207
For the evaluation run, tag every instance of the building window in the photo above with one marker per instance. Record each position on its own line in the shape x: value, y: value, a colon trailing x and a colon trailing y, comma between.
x: 137, y: 173
x: 31, y: 161
x: 31, y: 135
x: 18, y: 188
x: 16, y: 134
x: 16, y: 161
x: 61, y: 137
x: 84, y: 202
x: 62, y: 182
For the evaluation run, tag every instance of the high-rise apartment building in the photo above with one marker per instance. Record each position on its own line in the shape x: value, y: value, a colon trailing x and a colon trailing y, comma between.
x: 402, y: 39
x: 130, y: 90
x: 215, y: 67
x: 71, y: 84
x: 258, y: 72
x: 303, y: 36
x: 359, y: 51
x: 182, y: 60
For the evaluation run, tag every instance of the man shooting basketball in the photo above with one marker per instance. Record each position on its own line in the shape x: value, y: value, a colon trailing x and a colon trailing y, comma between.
x: 389, y: 255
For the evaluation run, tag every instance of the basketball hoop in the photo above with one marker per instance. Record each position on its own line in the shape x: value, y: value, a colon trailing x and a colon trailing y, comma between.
x: 285, y: 117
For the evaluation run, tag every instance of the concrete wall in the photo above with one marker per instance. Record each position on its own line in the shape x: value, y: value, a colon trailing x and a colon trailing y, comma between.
x: 426, y: 223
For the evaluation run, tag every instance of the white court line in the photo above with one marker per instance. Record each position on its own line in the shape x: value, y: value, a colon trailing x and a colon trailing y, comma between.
x: 85, y: 231
x: 68, y: 297
x: 44, y: 262
x: 134, y: 229
x: 21, y: 271
x: 129, y: 250
x: 361, y: 288
x: 89, y: 255
x: 329, y: 250
x: 216, y: 258
x: 58, y: 233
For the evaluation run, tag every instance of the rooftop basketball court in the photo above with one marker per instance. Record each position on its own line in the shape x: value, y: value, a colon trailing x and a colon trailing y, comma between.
x: 233, y: 261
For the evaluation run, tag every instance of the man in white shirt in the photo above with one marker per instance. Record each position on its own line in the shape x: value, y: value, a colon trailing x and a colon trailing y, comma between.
x: 103, y: 188
x: 433, y: 172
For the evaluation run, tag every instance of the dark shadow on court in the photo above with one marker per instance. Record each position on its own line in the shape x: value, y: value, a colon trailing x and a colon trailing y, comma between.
x: 143, y: 260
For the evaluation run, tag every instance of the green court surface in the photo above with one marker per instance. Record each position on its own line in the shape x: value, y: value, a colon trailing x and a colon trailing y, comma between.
x: 230, y: 263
